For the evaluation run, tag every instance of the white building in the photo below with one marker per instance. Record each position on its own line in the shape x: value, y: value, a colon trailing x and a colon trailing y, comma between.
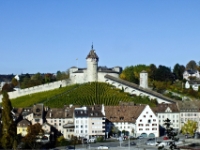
x: 170, y: 111
x: 89, y: 121
x: 189, y: 110
x: 135, y: 119
x: 187, y: 74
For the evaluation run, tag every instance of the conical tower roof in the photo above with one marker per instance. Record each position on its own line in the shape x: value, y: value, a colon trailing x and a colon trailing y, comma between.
x: 92, y: 54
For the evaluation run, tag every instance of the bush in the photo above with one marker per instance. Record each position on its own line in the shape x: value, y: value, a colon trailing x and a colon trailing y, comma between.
x: 100, y: 139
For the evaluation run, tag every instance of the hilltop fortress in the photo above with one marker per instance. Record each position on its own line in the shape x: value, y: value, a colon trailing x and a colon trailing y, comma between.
x: 95, y: 73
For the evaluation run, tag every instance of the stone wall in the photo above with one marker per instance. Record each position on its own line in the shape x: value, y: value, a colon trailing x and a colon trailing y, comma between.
x: 39, y: 88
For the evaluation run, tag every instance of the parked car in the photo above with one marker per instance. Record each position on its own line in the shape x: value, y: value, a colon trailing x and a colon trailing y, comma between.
x: 70, y: 147
x: 165, y: 138
x: 152, y: 143
x: 189, y: 136
x: 102, y: 147
x: 92, y: 140
x: 131, y: 143
x: 164, y: 143
x: 140, y: 137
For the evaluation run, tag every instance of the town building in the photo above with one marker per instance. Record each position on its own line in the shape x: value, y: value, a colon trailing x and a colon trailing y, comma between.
x: 34, y: 114
x: 170, y: 111
x: 59, y: 118
x: 135, y: 120
x: 188, y: 74
x: 89, y: 121
x: 22, y: 127
x: 189, y: 110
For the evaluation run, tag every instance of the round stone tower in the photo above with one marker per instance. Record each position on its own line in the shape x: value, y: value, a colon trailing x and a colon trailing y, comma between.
x: 92, y: 65
x: 144, y: 79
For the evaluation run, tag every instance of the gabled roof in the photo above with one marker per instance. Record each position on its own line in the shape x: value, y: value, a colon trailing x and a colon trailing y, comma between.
x: 135, y: 86
x: 24, y: 123
x: 92, y: 54
x: 161, y: 108
x: 189, y: 106
x: 123, y: 113
x: 89, y: 111
x: 65, y: 112
x: 190, y: 71
x: 37, y: 110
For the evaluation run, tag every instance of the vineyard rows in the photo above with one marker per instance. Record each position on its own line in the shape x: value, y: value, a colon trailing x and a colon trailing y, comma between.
x: 84, y: 94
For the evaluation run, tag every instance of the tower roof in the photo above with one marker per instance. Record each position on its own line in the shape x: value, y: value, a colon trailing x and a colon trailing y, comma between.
x: 92, y: 54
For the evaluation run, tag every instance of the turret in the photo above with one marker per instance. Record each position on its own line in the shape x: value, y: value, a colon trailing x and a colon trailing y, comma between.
x: 92, y: 65
x: 144, y: 79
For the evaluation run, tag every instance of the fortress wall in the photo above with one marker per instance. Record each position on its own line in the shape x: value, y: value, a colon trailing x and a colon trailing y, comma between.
x: 134, y: 91
x: 101, y: 75
x: 36, y: 89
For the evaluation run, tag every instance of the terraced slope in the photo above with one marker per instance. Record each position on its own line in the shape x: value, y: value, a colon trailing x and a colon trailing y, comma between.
x: 84, y: 94
x: 29, y: 100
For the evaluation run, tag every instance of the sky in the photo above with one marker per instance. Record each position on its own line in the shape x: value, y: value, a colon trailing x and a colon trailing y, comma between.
x: 50, y: 35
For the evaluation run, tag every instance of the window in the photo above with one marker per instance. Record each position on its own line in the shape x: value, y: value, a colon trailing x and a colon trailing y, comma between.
x: 147, y: 124
x: 81, y: 131
x: 147, y: 112
x: 149, y: 121
x: 85, y: 131
x: 81, y: 126
x: 54, y: 120
x: 144, y: 116
x: 140, y: 120
x: 59, y: 120
x: 86, y: 126
x: 147, y: 129
x: 154, y: 120
x: 151, y: 116
x: 76, y: 126
x: 140, y: 129
x: 59, y: 124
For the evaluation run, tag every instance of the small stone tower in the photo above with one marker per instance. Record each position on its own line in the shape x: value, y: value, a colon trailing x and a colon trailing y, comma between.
x: 92, y: 65
x: 144, y: 79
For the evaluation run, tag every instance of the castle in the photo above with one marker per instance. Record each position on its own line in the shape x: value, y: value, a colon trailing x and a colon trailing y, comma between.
x: 93, y: 72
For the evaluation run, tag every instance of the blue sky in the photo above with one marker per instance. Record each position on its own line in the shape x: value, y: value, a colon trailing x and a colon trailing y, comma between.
x: 48, y: 35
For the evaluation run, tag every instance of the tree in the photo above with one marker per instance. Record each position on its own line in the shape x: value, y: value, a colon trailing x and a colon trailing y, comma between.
x: 114, y: 130
x: 129, y: 75
x: 9, y: 130
x: 37, y: 78
x: 191, y: 65
x: 152, y: 71
x: 178, y: 71
x: 34, y: 132
x: 171, y: 134
x: 61, y: 75
x: 14, y: 82
x: 164, y: 73
x: 189, y: 127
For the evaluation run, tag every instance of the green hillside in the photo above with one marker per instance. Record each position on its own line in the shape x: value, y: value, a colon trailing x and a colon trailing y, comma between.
x: 83, y: 94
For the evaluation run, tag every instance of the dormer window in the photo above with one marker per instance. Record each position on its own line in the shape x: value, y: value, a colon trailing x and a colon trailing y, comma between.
x: 121, y: 118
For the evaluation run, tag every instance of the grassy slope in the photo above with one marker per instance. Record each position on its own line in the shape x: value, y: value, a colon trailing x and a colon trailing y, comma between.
x: 84, y: 94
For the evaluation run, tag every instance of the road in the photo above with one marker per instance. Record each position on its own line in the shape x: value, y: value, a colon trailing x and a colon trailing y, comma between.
x: 115, y: 145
